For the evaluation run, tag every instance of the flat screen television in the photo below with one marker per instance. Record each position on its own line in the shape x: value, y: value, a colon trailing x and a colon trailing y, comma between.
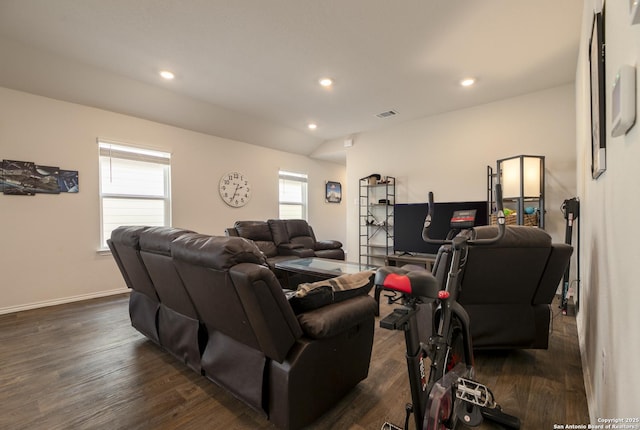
x: 408, y: 221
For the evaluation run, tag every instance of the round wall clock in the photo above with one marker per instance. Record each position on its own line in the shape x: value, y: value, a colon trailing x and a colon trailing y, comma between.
x: 234, y: 189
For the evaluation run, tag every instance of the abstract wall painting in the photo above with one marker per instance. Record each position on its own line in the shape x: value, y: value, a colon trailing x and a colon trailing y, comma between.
x: 25, y: 178
x: 18, y: 178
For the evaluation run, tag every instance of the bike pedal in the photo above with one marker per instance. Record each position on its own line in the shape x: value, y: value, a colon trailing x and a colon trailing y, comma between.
x: 496, y: 415
x: 474, y: 393
x: 395, y: 320
x: 469, y: 414
x: 389, y: 426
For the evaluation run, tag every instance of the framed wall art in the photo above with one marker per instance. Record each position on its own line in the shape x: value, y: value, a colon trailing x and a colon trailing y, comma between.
x: 68, y: 181
x: 598, y: 118
x: 25, y: 178
x: 18, y: 177
x: 46, y: 179
x: 333, y: 192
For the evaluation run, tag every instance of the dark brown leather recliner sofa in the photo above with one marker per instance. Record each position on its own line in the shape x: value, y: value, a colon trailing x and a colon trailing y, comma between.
x: 260, y: 233
x: 507, y: 288
x: 213, y: 303
x: 286, y: 239
x: 298, y: 232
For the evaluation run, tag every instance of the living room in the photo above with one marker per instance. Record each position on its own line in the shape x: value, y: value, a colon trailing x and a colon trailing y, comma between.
x: 58, y: 234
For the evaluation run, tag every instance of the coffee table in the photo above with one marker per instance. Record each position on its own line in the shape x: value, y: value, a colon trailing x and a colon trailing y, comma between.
x: 323, y: 268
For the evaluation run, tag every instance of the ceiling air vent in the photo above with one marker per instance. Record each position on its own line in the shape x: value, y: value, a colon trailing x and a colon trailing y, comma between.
x: 387, y: 114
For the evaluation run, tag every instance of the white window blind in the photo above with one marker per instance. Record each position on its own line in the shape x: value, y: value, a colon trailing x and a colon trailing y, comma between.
x: 293, y: 195
x: 134, y: 187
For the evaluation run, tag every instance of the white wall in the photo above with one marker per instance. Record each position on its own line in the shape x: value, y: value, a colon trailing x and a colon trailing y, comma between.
x: 449, y: 153
x: 49, y: 242
x: 609, y: 318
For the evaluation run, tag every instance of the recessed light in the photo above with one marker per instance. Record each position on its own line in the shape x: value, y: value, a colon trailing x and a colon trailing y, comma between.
x: 326, y: 82
x: 167, y: 75
x: 312, y: 126
x: 467, y: 82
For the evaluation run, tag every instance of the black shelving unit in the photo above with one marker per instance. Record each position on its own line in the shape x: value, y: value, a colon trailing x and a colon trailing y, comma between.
x: 377, y: 197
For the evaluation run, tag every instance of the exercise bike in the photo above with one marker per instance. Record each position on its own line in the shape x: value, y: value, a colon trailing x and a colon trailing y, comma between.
x: 445, y: 393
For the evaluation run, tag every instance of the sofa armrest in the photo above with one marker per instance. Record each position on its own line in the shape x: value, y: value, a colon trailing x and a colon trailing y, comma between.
x: 556, y: 265
x: 328, y: 244
x: 231, y: 232
x: 336, y: 318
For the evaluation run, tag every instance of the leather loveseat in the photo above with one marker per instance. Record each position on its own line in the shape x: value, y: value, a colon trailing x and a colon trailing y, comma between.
x: 507, y: 288
x: 259, y: 232
x: 213, y: 303
x: 286, y: 239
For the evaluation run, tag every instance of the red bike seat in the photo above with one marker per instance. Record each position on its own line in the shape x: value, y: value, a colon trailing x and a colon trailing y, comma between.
x: 420, y: 283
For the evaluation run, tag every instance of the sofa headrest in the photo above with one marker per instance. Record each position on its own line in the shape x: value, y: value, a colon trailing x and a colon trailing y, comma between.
x: 278, y: 231
x: 215, y: 252
x: 297, y: 227
x: 516, y: 236
x: 158, y: 239
x: 254, y: 230
x: 128, y: 236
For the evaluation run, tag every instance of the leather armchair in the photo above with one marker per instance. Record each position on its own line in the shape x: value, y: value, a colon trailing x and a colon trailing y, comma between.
x: 507, y: 288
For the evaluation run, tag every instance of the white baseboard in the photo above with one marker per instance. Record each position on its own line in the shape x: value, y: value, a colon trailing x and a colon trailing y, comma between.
x: 586, y: 374
x: 61, y: 301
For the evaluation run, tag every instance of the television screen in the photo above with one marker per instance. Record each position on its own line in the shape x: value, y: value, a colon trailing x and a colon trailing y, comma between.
x: 408, y: 221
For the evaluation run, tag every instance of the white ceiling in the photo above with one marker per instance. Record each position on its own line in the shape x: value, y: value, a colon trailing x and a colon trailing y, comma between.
x: 248, y: 69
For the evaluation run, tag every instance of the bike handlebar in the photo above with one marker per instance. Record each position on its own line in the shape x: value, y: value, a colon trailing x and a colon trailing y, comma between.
x: 487, y: 241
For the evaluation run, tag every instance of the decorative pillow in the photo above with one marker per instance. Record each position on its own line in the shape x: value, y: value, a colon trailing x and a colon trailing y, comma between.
x: 310, y: 296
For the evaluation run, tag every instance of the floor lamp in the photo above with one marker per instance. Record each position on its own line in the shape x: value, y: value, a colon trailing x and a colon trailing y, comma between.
x: 522, y: 179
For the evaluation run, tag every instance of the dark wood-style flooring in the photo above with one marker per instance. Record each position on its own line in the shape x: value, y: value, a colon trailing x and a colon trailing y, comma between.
x: 82, y: 366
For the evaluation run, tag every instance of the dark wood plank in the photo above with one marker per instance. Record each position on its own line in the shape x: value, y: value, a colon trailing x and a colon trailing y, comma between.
x: 83, y: 366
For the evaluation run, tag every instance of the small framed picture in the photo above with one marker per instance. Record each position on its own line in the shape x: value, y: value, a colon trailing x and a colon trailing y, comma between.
x: 68, y: 181
x: 333, y: 192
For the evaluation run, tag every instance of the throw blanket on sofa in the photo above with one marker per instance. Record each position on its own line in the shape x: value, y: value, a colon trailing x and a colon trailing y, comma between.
x: 341, y: 283
x: 310, y: 296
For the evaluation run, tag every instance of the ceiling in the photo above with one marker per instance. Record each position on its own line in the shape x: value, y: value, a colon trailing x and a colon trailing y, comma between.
x: 248, y: 70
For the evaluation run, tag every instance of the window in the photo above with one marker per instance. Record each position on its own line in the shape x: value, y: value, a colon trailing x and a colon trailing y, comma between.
x: 293, y: 195
x: 134, y: 188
